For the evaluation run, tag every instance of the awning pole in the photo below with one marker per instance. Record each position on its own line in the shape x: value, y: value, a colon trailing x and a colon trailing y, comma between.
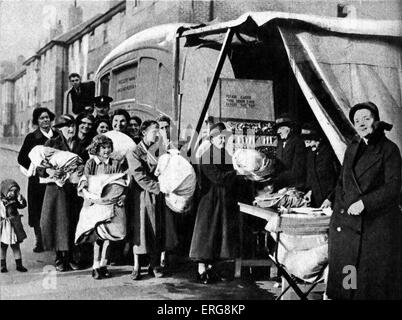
x: 212, y: 85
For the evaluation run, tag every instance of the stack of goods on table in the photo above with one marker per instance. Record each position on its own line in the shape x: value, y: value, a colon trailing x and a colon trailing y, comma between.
x: 303, y: 241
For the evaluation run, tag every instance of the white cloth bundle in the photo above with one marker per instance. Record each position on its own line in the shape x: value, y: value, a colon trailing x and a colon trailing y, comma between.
x: 99, y: 210
x: 122, y: 144
x: 177, y: 179
x: 42, y: 156
x: 253, y: 164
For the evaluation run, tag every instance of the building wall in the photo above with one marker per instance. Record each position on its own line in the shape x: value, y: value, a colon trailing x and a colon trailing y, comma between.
x: 143, y: 14
x: 103, y: 39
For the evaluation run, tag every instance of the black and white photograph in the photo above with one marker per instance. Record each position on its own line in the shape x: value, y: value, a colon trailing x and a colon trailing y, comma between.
x: 204, y: 152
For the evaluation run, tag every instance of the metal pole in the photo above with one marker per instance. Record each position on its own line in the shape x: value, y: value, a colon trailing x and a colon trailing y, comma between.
x: 212, y: 85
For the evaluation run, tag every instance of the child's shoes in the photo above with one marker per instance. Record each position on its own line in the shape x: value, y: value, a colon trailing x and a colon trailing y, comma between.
x: 22, y: 269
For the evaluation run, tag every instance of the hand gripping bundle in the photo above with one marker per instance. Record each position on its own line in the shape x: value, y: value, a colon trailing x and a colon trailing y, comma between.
x: 177, y: 179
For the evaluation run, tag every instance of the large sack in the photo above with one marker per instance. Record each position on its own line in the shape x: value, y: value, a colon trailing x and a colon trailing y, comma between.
x: 47, y: 157
x: 177, y: 179
x: 122, y: 143
x: 303, y: 256
x: 100, y: 211
x: 253, y: 164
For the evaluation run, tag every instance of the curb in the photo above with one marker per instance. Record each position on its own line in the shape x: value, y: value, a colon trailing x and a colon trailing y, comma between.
x: 9, y: 148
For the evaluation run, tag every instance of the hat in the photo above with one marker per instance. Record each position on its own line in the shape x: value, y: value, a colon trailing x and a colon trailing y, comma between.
x: 102, y: 100
x: 310, y: 132
x: 284, y: 120
x: 64, y: 120
x: 365, y: 105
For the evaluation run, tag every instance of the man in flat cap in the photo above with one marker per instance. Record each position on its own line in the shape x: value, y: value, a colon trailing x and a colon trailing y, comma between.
x: 81, y: 93
x: 102, y: 107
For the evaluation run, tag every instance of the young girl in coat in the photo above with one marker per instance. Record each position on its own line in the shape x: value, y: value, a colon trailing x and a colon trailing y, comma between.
x: 11, y: 230
x: 102, y: 163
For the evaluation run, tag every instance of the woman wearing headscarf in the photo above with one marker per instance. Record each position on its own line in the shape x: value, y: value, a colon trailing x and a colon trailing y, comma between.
x: 365, y: 246
x: 42, y: 118
x: 216, y: 230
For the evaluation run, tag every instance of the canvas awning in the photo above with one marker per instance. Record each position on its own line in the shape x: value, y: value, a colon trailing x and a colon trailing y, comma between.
x: 354, y: 60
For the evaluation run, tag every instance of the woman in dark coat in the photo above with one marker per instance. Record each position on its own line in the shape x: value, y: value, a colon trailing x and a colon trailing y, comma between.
x: 322, y: 168
x: 149, y: 217
x: 365, y: 244
x: 60, y: 205
x: 41, y: 117
x: 216, y: 230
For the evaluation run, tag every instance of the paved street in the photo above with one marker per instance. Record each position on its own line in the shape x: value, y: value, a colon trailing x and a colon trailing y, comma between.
x: 43, y: 282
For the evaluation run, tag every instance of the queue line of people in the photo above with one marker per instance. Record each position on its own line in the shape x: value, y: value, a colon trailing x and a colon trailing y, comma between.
x: 365, y: 198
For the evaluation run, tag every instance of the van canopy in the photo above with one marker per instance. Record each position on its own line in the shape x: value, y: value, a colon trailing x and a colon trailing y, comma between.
x: 354, y: 60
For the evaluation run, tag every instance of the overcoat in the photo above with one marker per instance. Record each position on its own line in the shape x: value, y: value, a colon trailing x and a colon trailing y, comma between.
x: 292, y: 157
x: 36, y: 190
x: 83, y: 97
x: 217, y: 226
x: 369, y: 243
x: 322, y: 170
x: 58, y: 208
x: 150, y: 220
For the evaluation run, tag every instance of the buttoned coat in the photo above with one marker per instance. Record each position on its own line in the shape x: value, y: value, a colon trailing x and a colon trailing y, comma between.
x: 322, y: 170
x: 36, y: 190
x: 150, y: 222
x: 292, y: 159
x: 369, y: 243
x: 83, y: 98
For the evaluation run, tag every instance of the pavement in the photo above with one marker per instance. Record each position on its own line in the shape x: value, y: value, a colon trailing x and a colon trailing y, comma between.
x: 43, y: 282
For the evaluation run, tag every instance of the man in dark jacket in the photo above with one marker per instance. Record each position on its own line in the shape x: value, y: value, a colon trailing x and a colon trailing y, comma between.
x: 291, y: 153
x: 82, y: 94
x: 322, y: 168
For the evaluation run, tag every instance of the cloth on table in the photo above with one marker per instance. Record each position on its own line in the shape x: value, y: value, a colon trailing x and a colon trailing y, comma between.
x: 68, y: 162
x: 100, y: 212
x: 304, y: 256
x: 177, y: 179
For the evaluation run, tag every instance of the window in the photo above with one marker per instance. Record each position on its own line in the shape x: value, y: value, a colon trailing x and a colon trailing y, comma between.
x: 35, y: 92
x: 147, y: 81
x: 164, y: 90
x: 125, y: 82
x: 104, y: 83
x: 105, y: 39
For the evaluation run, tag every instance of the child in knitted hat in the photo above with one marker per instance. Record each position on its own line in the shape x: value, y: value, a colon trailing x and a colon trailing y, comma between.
x: 11, y: 229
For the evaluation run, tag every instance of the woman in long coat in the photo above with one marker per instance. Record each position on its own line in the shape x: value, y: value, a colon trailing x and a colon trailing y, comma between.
x: 149, y: 217
x: 216, y: 230
x: 41, y: 117
x: 365, y: 235
x: 59, y: 208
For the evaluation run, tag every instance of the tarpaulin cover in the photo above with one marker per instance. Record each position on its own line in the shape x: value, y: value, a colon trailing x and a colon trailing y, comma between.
x: 353, y: 70
x: 355, y: 60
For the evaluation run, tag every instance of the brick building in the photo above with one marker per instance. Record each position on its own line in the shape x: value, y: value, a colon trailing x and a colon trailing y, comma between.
x: 43, y: 80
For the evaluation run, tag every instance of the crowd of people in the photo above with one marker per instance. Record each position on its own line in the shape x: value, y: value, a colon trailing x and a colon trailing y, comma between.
x: 363, y: 192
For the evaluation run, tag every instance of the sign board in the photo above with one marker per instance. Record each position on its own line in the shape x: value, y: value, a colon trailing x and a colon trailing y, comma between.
x: 125, y: 82
x: 243, y: 99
